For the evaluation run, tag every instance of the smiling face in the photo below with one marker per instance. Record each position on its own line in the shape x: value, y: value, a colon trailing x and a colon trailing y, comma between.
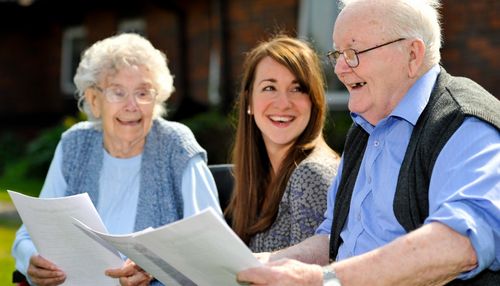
x: 125, y: 124
x: 280, y: 108
x: 381, y: 80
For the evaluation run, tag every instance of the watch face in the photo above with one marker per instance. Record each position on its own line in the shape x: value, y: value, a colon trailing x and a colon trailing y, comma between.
x: 330, y: 278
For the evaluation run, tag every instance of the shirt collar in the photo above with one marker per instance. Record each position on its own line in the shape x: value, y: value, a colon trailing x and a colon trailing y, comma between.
x: 412, y: 104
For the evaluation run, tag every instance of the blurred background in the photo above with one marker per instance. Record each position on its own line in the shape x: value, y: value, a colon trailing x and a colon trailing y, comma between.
x: 205, y: 42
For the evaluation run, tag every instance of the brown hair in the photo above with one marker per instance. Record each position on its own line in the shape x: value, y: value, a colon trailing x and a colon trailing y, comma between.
x: 258, y: 192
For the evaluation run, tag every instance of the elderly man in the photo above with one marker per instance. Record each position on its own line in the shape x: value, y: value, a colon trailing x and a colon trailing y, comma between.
x: 417, y: 198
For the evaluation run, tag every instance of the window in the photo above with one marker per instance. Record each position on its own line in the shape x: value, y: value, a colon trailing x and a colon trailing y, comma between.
x: 316, y: 19
x: 134, y: 25
x: 73, y: 44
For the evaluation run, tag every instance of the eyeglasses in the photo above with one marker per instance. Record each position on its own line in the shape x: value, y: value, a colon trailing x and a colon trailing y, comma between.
x: 117, y: 94
x: 351, y: 55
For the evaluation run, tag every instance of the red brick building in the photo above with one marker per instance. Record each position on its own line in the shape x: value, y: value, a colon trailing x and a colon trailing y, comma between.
x: 204, y: 40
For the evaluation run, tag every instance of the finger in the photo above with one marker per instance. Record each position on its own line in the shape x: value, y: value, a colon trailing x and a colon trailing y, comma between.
x: 40, y: 262
x: 139, y: 279
x: 48, y: 281
x: 37, y: 271
x: 128, y: 269
x: 253, y: 276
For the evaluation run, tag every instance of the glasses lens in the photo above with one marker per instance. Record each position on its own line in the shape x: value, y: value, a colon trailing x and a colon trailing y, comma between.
x: 145, y: 96
x: 118, y: 95
x: 114, y: 94
x: 351, y: 58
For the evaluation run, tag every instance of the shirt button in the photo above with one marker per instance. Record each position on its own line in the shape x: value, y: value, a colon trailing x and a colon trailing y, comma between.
x: 359, y: 217
x: 369, y: 180
x: 376, y: 143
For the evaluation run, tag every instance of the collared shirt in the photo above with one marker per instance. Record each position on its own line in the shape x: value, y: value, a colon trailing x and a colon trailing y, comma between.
x: 117, y: 206
x: 464, y: 191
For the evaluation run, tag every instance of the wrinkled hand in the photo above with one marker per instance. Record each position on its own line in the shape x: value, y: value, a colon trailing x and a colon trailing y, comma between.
x: 282, y: 272
x: 130, y: 274
x: 44, y: 273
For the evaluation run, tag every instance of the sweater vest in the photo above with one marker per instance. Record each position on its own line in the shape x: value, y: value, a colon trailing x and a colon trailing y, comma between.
x: 168, y: 148
x: 451, y: 101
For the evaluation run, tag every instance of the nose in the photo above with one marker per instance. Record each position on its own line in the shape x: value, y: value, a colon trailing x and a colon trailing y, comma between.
x: 341, y: 65
x: 282, y: 100
x: 131, y: 102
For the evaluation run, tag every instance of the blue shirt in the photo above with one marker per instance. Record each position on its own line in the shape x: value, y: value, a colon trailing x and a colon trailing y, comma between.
x: 117, y: 206
x: 464, y: 191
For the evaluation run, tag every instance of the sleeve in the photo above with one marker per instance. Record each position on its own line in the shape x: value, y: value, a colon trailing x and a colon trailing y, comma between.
x: 198, y: 188
x: 54, y: 186
x: 326, y: 226
x: 464, y: 191
x: 309, y: 185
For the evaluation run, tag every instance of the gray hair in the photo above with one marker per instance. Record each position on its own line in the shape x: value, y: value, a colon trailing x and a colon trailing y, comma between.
x: 413, y: 19
x: 108, y: 56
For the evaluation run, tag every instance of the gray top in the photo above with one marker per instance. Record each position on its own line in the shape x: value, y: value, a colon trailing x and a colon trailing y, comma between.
x: 303, y: 204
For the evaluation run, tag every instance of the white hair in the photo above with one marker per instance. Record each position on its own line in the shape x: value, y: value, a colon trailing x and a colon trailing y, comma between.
x: 108, y: 56
x: 417, y: 19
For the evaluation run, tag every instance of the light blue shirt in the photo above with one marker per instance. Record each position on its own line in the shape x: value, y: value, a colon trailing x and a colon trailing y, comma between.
x: 117, y: 206
x: 464, y: 191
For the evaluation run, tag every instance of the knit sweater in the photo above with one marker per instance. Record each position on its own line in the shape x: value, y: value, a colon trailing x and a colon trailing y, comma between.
x: 303, y: 203
x: 451, y: 101
x: 168, y: 148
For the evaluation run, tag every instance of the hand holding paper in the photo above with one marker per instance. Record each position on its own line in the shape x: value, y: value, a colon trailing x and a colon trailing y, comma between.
x: 51, y: 227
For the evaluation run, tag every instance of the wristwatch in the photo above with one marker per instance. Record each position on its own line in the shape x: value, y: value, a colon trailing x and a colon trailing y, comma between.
x: 329, y: 277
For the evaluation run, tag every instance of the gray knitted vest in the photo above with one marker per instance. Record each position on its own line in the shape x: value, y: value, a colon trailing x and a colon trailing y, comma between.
x: 168, y: 148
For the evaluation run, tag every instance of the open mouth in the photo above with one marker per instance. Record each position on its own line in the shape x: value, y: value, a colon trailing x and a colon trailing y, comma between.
x: 357, y: 85
x: 129, y: 122
x: 281, y: 119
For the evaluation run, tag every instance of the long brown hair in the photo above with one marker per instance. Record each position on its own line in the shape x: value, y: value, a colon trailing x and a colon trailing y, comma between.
x: 258, y: 192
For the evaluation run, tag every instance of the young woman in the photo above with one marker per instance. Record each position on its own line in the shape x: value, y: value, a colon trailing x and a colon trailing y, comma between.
x: 283, y: 166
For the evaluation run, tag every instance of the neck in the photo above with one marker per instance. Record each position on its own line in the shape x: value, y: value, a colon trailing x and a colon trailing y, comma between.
x: 276, y: 155
x: 124, y: 149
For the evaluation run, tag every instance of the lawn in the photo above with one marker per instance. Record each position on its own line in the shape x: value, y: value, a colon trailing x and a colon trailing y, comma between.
x: 9, y: 226
x: 8, y: 229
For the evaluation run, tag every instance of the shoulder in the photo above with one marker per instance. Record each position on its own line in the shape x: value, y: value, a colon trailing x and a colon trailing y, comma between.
x: 172, y: 130
x: 322, y: 160
x: 81, y: 128
x: 79, y: 134
x: 316, y: 172
x: 174, y: 138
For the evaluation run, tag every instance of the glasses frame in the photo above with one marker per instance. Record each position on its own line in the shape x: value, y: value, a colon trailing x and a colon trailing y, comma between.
x: 103, y: 92
x: 334, y: 55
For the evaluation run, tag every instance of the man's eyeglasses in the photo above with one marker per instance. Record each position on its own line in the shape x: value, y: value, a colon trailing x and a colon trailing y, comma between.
x: 351, y: 55
x: 117, y: 94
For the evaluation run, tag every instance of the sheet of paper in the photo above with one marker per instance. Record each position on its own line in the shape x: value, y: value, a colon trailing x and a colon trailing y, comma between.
x: 203, y: 248
x: 50, y: 223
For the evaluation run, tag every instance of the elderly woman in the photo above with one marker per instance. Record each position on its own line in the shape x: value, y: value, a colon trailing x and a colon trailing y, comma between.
x: 139, y: 170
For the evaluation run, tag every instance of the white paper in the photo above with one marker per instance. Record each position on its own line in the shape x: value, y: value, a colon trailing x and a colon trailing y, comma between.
x: 51, y: 227
x: 203, y: 248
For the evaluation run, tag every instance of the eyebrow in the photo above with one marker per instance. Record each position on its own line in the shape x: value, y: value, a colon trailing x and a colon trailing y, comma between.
x: 268, y: 79
x: 274, y: 80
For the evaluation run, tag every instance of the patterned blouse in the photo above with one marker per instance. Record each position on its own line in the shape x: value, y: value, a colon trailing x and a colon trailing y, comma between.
x: 303, y: 203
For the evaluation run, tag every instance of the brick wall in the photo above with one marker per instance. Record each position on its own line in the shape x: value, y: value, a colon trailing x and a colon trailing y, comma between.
x: 472, y: 41
x: 30, y: 54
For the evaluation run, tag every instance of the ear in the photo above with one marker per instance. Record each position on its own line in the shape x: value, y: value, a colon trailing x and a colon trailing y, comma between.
x: 416, y: 58
x: 93, y: 101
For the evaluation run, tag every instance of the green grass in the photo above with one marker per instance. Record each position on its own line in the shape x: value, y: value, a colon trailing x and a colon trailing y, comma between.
x: 9, y: 226
x: 7, y: 233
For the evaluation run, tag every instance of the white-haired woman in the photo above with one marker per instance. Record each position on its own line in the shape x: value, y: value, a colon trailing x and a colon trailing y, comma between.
x: 139, y: 169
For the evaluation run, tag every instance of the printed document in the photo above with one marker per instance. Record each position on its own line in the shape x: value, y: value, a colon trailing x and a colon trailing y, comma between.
x: 198, y: 250
x: 51, y: 225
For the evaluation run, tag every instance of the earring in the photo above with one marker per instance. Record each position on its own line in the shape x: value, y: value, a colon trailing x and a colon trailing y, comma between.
x: 249, y: 112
